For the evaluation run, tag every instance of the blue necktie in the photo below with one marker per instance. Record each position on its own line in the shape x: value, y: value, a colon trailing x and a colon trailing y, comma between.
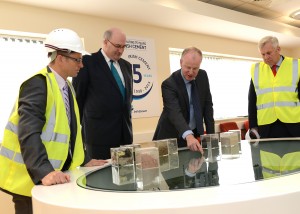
x: 197, y: 109
x: 117, y: 78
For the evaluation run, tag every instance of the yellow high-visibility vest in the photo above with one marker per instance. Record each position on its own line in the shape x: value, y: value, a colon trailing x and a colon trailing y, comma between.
x: 274, y: 165
x: 55, y: 137
x: 277, y: 97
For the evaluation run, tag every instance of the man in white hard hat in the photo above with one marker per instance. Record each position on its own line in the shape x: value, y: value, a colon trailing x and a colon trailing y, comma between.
x: 42, y: 138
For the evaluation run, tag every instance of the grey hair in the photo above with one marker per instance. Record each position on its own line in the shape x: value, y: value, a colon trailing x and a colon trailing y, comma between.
x: 273, y: 40
x: 107, y: 34
x: 191, y: 49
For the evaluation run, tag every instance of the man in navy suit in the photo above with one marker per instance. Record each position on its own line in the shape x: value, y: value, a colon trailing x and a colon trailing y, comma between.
x: 179, y: 117
x: 104, y: 101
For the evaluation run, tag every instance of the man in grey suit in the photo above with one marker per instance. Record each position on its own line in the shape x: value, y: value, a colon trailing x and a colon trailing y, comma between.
x: 182, y: 118
x: 42, y: 137
x: 104, y: 96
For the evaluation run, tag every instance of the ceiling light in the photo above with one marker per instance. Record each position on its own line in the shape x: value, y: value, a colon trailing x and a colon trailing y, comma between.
x: 295, y: 15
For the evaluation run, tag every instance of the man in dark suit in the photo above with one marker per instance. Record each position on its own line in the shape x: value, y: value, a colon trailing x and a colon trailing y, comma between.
x: 273, y: 99
x: 104, y: 100
x: 182, y: 118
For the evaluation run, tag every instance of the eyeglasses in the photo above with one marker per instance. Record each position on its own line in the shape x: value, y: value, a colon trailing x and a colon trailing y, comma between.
x: 78, y: 60
x: 117, y: 45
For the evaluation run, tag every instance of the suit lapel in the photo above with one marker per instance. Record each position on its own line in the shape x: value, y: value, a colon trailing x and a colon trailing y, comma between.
x: 201, y: 92
x: 73, y: 124
x: 182, y: 88
x: 106, y: 69
x: 126, y: 78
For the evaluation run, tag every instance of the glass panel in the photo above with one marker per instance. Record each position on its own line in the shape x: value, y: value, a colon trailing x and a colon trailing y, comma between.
x: 264, y: 159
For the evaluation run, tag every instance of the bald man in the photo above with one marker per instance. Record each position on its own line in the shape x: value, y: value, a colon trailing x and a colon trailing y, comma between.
x: 182, y: 116
x: 104, y: 94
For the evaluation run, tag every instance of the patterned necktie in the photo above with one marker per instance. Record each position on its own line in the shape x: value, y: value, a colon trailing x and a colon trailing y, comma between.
x: 197, y: 109
x: 117, y: 78
x: 66, y: 100
x: 274, y: 70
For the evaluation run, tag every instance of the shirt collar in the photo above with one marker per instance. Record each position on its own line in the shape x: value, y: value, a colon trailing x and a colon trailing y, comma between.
x: 60, y: 81
x: 185, y: 81
x: 107, y: 59
x: 280, y: 61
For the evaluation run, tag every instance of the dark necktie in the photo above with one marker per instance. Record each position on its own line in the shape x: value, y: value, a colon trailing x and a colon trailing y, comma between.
x: 274, y: 70
x: 197, y: 109
x: 117, y: 78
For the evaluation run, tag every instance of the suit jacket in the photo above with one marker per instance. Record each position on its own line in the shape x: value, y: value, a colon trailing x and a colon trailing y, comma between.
x: 174, y: 120
x: 105, y: 116
x: 265, y: 130
x: 32, y: 107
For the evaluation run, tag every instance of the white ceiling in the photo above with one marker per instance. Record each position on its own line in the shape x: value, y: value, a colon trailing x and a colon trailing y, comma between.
x: 195, y: 16
x: 276, y: 10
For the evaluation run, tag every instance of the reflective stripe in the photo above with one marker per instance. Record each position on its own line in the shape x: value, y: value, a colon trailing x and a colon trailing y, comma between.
x: 270, y: 105
x: 276, y: 89
x: 11, y: 127
x: 6, y: 152
x: 278, y: 172
x: 10, y: 154
x: 48, y: 134
x: 256, y: 75
x: 295, y: 71
x: 271, y: 171
x: 59, y: 138
x: 55, y: 163
x: 17, y: 157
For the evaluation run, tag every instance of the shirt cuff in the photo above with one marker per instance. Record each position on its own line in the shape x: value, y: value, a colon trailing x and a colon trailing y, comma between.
x: 186, y: 133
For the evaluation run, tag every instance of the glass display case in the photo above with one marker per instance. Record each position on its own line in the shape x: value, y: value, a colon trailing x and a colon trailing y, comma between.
x: 259, y: 160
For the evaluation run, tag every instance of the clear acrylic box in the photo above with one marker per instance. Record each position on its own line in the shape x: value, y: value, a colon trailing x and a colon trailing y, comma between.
x: 230, y: 145
x: 239, y: 134
x: 211, y: 148
x: 168, y: 154
x: 173, y: 153
x: 163, y: 153
x: 123, y: 166
x: 147, y: 168
x: 122, y: 175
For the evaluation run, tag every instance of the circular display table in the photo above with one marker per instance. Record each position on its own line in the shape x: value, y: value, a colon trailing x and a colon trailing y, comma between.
x: 238, y: 183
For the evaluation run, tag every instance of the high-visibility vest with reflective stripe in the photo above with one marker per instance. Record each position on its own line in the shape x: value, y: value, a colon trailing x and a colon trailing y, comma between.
x: 277, y: 97
x: 55, y: 137
x: 274, y: 165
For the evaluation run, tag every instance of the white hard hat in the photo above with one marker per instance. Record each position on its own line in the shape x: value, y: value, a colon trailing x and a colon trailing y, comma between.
x: 64, y: 40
